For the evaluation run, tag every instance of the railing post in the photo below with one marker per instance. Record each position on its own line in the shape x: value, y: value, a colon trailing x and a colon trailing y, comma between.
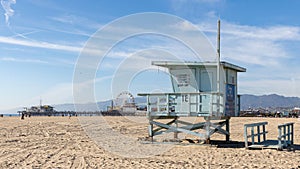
x: 246, y: 136
x: 197, y: 103
x: 264, y: 132
x: 279, y: 137
x: 200, y: 103
x: 168, y: 104
x: 157, y: 104
x: 292, y: 140
x: 258, y: 134
x: 189, y: 101
x: 207, y: 128
x: 211, y: 105
x: 175, y: 132
x: 150, y: 129
x: 284, y: 132
x: 252, y: 134
x: 228, y: 130
x: 148, y: 106
x: 289, y: 133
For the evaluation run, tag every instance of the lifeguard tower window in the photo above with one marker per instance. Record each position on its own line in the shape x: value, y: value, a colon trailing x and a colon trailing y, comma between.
x: 183, y: 80
x: 208, y: 80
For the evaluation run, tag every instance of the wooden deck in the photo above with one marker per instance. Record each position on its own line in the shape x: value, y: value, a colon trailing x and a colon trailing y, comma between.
x: 268, y: 144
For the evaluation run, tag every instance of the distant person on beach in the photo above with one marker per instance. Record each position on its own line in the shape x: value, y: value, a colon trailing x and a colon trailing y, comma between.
x: 22, y: 117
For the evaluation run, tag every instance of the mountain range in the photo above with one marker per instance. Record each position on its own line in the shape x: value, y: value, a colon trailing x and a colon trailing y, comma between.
x: 265, y: 101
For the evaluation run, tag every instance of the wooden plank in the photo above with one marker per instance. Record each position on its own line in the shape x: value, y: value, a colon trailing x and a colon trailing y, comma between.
x: 194, y: 126
x: 269, y: 144
x: 174, y: 129
x: 160, y: 128
x: 257, y: 134
x: 255, y: 124
x: 285, y: 124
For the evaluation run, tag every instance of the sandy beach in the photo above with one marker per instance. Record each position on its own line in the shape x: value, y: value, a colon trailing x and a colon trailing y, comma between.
x: 115, y: 142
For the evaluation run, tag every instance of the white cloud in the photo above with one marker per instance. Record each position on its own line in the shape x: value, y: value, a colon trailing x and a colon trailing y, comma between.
x: 119, y: 54
x: 6, y: 5
x: 253, y: 51
x: 253, y: 45
x: 274, y: 33
x: 268, y: 52
x: 76, y: 20
x: 12, y: 59
x: 185, y: 26
x: 39, y: 44
x: 286, y: 87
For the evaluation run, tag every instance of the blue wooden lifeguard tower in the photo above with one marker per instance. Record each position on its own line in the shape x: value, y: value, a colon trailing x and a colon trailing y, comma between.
x: 200, y: 89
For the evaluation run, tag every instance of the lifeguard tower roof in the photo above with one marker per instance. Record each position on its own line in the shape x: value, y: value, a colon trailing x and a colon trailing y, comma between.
x: 226, y: 65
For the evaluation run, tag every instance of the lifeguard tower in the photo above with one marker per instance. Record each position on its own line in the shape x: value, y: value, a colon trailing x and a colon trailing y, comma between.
x: 200, y: 89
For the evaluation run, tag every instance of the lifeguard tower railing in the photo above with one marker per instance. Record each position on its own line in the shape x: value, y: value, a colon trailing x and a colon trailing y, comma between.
x: 201, y: 104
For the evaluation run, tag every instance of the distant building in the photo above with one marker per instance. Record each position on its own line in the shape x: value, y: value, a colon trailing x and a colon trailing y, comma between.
x: 296, y: 111
x: 41, y: 110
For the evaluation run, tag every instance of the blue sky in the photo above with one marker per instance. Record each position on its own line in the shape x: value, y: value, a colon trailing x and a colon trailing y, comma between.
x: 41, y: 41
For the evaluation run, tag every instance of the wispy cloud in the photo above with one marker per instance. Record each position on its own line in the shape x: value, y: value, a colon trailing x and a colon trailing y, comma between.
x: 252, y: 44
x: 76, y: 20
x: 249, y: 45
x: 12, y: 59
x: 38, y: 44
x: 48, y: 61
x: 274, y: 33
x: 6, y: 5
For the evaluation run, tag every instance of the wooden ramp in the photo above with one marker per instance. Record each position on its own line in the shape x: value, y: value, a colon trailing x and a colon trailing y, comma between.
x: 257, y: 130
x: 268, y: 144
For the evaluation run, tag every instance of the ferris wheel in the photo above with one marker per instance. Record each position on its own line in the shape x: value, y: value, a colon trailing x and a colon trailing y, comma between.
x: 125, y: 98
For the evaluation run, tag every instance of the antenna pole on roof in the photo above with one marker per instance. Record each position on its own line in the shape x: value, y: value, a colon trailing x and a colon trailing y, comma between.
x: 40, y: 101
x: 218, y: 65
x: 219, y: 39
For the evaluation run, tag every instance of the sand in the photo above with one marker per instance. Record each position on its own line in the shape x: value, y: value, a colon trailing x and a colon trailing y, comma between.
x: 115, y: 142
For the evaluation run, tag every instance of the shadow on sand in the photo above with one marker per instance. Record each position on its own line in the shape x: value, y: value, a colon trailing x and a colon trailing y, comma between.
x: 241, y: 144
x: 225, y: 144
